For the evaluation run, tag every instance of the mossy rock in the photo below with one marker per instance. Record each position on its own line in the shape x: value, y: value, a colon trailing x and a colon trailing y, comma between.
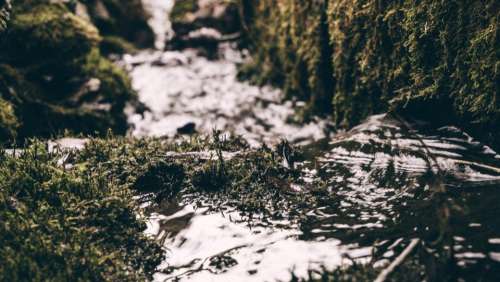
x: 182, y: 9
x: 116, y: 45
x: 432, y: 60
x: 190, y: 15
x: 126, y: 19
x: 39, y: 116
x: 48, y: 33
x: 115, y: 87
x: 54, y: 75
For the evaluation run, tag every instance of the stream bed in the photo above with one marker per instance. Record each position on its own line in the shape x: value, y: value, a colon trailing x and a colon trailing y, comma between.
x: 380, y: 179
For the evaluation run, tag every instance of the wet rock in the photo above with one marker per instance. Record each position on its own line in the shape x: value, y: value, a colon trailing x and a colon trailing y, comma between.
x: 125, y: 19
x: 205, y: 40
x: 188, y: 129
x: 202, y: 24
x: 191, y: 15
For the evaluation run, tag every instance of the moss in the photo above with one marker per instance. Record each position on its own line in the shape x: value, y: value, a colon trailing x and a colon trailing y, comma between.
x: 8, y: 121
x: 66, y: 224
x: 48, y: 33
x: 253, y: 181
x: 291, y: 50
x: 163, y: 178
x: 116, y: 45
x: 182, y: 9
x: 368, y: 56
x: 115, y: 88
x: 56, y: 77
x: 44, y: 116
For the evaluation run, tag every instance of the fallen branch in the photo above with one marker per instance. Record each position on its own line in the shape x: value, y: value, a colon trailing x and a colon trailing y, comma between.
x: 399, y: 260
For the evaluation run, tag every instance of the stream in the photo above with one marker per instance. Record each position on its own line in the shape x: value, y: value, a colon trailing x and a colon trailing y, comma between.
x: 380, y: 178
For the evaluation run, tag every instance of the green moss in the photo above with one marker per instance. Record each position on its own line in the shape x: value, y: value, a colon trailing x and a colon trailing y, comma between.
x: 52, y: 57
x: 116, y: 45
x: 48, y: 33
x: 44, y: 116
x: 182, y: 8
x: 252, y: 180
x: 68, y: 225
x: 365, y: 56
x: 115, y: 88
x: 291, y: 50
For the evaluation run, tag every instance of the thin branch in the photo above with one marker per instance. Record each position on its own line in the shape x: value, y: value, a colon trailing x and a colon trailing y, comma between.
x: 399, y: 260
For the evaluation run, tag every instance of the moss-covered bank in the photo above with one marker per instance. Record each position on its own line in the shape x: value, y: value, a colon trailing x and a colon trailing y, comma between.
x: 436, y: 60
x: 68, y: 224
x: 53, y: 74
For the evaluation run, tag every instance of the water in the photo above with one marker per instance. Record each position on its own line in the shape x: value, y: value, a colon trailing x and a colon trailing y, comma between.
x: 380, y: 179
x: 183, y: 87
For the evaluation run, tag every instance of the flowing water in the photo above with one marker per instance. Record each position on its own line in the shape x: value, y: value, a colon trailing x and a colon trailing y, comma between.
x: 380, y: 179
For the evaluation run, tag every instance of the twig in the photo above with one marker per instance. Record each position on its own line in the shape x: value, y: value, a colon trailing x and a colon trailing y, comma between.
x: 399, y: 260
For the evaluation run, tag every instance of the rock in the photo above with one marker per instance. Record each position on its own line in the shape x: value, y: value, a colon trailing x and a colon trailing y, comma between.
x: 126, y: 19
x: 205, y: 40
x: 188, y: 129
x: 48, y: 34
x: 203, y: 24
x: 55, y: 77
x: 191, y: 15
x: 116, y: 45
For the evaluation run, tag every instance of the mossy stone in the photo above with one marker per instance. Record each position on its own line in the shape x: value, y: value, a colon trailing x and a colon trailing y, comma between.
x: 116, y: 45
x: 48, y: 33
x: 126, y: 19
